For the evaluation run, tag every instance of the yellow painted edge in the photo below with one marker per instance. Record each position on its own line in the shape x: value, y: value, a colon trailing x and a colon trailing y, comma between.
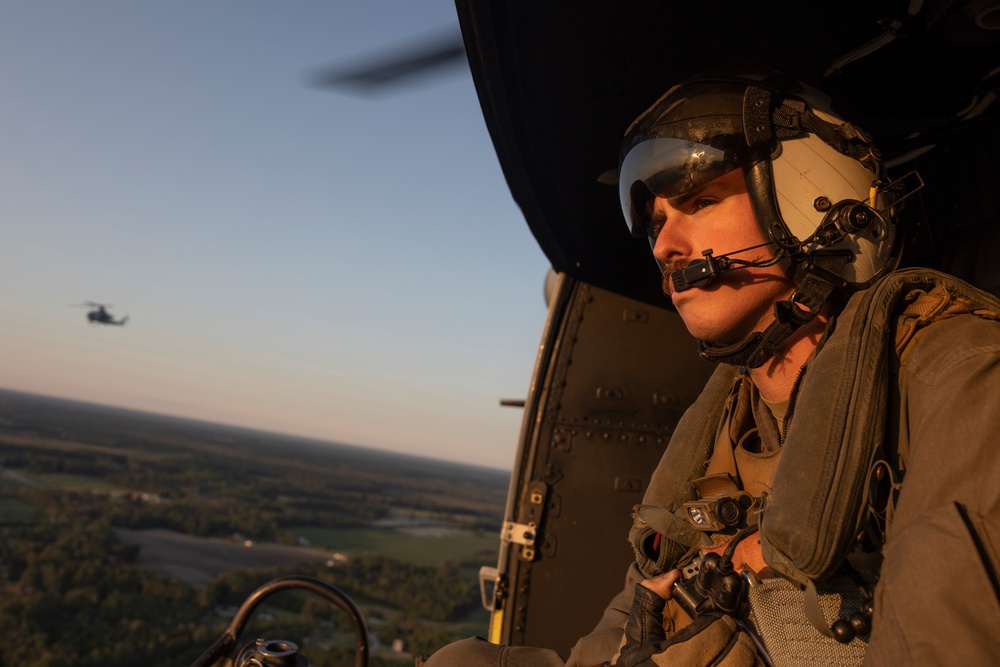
x: 496, y: 626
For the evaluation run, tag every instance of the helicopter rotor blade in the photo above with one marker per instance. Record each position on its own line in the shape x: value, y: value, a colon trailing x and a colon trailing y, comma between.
x: 395, y: 68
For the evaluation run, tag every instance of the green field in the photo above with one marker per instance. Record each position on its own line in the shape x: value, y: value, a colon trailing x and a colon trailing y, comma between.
x: 15, y: 512
x: 77, y: 482
x: 13, y: 479
x: 401, y: 546
x: 20, y: 478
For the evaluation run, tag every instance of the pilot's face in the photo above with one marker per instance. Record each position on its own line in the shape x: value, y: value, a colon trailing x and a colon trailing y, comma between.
x: 718, y: 216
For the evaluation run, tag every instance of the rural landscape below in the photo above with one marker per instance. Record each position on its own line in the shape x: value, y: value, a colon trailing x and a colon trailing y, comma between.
x: 129, y: 538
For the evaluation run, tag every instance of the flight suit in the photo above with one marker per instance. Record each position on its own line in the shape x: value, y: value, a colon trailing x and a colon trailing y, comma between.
x: 929, y: 405
x: 937, y: 600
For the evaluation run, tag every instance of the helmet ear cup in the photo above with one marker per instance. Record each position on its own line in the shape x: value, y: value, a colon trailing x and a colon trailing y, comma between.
x: 810, y: 177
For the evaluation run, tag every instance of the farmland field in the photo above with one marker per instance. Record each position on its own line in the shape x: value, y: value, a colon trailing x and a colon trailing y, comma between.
x: 420, y: 549
x: 111, y: 518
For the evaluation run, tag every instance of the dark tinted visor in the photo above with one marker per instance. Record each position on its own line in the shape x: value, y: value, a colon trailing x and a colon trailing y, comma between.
x: 666, y: 167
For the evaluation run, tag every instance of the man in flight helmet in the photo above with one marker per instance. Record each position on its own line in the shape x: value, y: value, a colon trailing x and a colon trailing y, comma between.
x: 833, y: 495
x: 813, y: 183
x: 833, y: 479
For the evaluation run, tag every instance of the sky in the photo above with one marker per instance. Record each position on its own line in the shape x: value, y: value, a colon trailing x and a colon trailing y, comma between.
x: 293, y: 259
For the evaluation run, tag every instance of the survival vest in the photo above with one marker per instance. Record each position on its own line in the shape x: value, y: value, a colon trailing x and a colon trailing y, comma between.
x: 822, y: 491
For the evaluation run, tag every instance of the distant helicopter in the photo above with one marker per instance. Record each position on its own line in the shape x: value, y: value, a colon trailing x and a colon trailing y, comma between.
x: 100, y: 314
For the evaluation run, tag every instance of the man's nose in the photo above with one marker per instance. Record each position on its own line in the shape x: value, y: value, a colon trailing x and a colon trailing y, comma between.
x: 661, y: 250
x: 671, y: 244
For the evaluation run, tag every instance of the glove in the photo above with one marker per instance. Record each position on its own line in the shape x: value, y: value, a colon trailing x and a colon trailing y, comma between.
x: 711, y: 640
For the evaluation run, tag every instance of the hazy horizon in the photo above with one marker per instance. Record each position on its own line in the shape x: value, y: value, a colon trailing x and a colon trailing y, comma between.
x: 252, y: 430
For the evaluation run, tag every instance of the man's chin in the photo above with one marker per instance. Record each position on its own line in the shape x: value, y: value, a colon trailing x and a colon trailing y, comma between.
x: 711, y: 335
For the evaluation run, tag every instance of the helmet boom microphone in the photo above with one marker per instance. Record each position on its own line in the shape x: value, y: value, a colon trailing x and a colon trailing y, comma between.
x: 701, y: 272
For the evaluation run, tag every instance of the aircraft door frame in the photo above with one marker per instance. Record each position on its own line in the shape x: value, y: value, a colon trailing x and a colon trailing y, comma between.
x: 611, y: 379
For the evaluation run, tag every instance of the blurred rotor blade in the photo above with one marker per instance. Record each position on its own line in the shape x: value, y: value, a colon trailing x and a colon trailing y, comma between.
x: 395, y: 68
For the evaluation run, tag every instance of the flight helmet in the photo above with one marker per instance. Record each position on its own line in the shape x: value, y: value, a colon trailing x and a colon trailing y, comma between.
x: 815, y: 181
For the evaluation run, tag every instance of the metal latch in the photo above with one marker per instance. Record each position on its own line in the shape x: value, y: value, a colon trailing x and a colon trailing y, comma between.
x: 527, y: 529
x: 519, y: 533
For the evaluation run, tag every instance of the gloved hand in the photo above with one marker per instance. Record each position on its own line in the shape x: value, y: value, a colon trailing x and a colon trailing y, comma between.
x: 712, y: 639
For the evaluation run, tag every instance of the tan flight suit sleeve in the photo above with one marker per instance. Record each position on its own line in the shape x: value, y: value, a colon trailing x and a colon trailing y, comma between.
x: 938, y: 599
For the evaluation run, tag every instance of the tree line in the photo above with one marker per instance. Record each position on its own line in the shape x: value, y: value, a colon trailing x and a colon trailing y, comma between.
x: 217, y: 493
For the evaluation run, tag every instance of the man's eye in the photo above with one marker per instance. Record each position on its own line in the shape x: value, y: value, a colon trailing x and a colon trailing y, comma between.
x: 699, y: 204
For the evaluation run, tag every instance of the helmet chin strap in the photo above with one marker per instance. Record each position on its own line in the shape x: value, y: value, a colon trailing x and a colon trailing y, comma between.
x: 821, y: 275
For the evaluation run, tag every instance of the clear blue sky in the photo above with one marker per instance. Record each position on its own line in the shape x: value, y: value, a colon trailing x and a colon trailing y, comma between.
x: 292, y: 259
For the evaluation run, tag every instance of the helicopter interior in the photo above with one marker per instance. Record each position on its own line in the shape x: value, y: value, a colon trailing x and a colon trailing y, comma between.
x: 558, y: 84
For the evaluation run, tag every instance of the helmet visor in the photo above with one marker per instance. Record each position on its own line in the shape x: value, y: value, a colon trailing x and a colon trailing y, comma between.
x: 666, y: 167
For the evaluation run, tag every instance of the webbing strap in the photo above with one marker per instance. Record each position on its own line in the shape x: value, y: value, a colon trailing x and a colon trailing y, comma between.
x: 672, y: 525
x: 810, y: 605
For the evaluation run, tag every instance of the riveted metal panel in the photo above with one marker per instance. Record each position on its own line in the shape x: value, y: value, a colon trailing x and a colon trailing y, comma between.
x: 613, y: 377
